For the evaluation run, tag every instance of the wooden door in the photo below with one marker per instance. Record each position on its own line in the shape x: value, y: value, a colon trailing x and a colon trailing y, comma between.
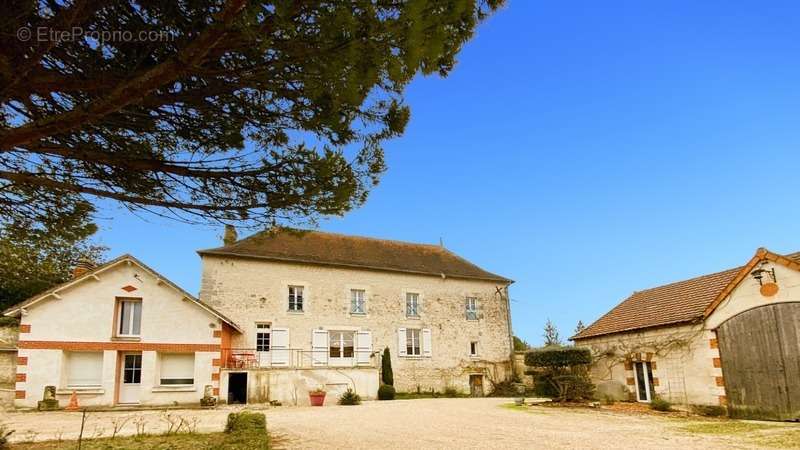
x: 760, y: 362
x: 476, y: 385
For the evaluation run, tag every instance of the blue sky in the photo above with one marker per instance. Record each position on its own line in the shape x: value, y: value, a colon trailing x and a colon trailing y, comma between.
x: 584, y: 149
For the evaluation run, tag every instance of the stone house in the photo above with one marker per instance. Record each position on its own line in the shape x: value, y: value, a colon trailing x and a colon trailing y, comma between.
x: 110, y: 335
x: 279, y: 314
x: 317, y: 309
x: 730, y: 338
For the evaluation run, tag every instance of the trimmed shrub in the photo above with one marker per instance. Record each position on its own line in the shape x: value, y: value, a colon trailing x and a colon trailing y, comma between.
x: 451, y: 392
x: 387, y: 376
x: 245, y: 421
x: 349, y: 398
x: 659, y: 404
x: 386, y: 392
x: 558, y: 357
x: 563, y: 373
x: 504, y: 389
x: 710, y: 410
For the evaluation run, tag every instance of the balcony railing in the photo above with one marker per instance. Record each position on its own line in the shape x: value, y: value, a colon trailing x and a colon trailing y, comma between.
x: 251, y: 358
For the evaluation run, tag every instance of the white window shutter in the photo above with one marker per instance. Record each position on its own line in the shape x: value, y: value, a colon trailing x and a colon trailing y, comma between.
x: 363, y: 347
x: 279, y: 346
x: 319, y: 348
x: 401, y: 342
x: 426, y: 342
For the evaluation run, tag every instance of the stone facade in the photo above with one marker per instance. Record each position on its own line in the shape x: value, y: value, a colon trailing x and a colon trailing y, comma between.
x: 8, y: 364
x: 251, y: 291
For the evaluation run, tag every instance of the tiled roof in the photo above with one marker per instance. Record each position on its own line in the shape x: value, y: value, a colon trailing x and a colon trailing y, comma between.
x: 316, y: 247
x: 680, y: 302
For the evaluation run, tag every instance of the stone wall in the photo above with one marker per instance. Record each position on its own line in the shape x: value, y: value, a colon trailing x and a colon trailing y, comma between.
x: 250, y: 291
x: 8, y: 364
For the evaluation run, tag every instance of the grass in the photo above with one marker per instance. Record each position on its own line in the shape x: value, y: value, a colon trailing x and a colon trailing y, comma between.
x: 515, y: 407
x: 176, y: 441
x: 779, y: 435
x: 417, y: 395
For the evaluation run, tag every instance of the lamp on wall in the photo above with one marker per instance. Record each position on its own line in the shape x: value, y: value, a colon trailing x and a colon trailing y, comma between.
x: 759, y: 274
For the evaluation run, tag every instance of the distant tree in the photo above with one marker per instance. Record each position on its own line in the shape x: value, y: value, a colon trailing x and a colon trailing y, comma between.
x: 579, y: 327
x: 551, y: 336
x: 214, y: 110
x: 387, y: 376
x: 520, y: 344
x: 37, y: 255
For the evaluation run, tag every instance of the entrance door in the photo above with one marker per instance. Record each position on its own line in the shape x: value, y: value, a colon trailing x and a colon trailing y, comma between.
x: 131, y: 378
x: 237, y: 388
x: 760, y: 351
x: 476, y: 385
x: 644, y: 381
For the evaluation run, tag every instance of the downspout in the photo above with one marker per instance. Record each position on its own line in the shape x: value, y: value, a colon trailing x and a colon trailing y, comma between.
x: 510, y: 332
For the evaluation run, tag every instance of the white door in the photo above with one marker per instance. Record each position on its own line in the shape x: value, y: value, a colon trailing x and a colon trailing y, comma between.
x: 279, y: 347
x: 643, y: 372
x: 130, y: 378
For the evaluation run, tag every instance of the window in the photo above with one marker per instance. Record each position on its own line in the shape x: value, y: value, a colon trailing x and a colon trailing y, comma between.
x: 341, y: 344
x: 262, y: 337
x: 130, y: 318
x: 413, y: 347
x: 177, y: 369
x: 473, y: 348
x: 296, y: 298
x: 84, y: 369
x: 358, y: 301
x: 644, y: 381
x: 412, y: 304
x: 472, y: 308
x: 132, y: 369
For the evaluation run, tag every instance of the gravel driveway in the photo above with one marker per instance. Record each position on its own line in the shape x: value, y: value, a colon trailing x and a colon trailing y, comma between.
x: 426, y: 423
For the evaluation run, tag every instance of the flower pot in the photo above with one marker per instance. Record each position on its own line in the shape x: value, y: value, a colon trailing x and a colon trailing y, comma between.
x: 316, y: 398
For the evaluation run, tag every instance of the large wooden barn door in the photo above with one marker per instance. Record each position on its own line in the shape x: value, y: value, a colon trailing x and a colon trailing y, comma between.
x: 760, y: 351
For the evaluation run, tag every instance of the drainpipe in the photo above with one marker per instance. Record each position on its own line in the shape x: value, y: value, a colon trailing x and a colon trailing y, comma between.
x: 510, y: 331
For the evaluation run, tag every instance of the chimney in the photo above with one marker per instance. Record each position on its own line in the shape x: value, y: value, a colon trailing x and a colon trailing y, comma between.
x: 83, y: 265
x: 229, y: 238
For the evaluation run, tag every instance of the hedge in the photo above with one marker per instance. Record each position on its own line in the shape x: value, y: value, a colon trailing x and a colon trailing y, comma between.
x: 558, y: 357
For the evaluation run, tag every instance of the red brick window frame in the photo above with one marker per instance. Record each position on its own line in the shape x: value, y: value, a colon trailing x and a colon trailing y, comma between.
x: 127, y: 318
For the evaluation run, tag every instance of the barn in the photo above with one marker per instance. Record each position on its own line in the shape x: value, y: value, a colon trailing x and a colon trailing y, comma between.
x: 730, y: 338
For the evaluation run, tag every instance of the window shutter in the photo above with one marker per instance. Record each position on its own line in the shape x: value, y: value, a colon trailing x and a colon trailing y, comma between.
x: 363, y: 347
x: 280, y: 346
x: 84, y: 368
x: 319, y: 348
x: 426, y: 342
x: 401, y: 342
x: 177, y: 368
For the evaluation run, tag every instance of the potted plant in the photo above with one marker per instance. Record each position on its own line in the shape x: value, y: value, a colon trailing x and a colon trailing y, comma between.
x: 317, y: 396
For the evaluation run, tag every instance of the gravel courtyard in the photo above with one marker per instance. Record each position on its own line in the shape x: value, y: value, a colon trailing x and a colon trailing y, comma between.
x: 426, y: 423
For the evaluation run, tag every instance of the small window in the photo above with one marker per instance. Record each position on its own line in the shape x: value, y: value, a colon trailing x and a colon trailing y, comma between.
x: 296, y: 298
x: 413, y: 347
x: 130, y: 318
x: 177, y: 369
x: 473, y: 348
x: 358, y: 301
x: 412, y: 304
x: 472, y: 308
x: 262, y: 337
x: 84, y: 369
x: 341, y: 344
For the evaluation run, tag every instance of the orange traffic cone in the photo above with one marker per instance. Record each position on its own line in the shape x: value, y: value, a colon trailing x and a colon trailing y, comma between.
x: 73, y: 402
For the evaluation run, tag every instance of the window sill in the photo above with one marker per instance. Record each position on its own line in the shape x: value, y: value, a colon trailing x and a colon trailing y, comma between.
x: 82, y: 390
x: 126, y: 338
x: 289, y: 311
x: 420, y: 357
x: 413, y: 317
x: 358, y: 314
x: 186, y: 388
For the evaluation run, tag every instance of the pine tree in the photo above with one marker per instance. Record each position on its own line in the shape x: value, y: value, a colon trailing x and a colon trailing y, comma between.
x: 579, y: 327
x: 386, y: 368
x: 550, y: 335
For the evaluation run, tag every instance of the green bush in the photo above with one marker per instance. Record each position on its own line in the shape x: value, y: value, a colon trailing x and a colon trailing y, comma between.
x: 504, y: 389
x: 387, y: 376
x: 245, y: 421
x: 709, y: 410
x: 558, y: 357
x: 451, y: 392
x: 659, y: 404
x: 386, y: 392
x: 349, y: 398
